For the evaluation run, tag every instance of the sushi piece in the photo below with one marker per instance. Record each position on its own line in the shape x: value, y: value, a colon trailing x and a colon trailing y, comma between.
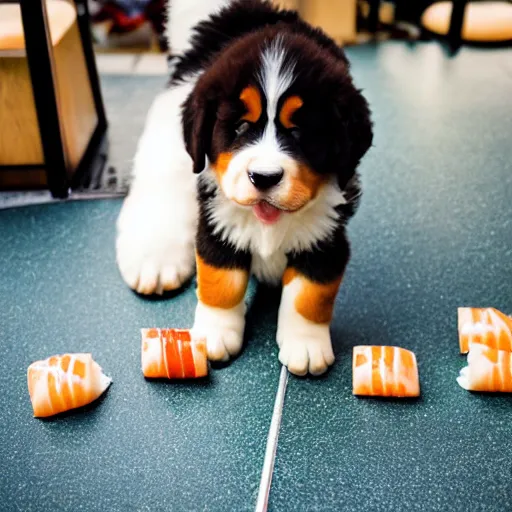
x: 64, y: 382
x: 171, y: 354
x: 486, y: 326
x: 488, y: 369
x: 384, y: 371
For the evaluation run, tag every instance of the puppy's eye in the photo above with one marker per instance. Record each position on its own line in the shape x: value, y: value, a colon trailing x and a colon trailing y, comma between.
x: 295, y: 133
x: 242, y: 128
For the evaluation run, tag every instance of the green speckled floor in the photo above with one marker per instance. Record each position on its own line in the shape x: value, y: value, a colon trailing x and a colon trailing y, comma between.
x: 434, y: 232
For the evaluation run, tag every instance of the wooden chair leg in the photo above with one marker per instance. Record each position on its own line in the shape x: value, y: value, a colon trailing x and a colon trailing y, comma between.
x: 457, y: 22
x: 38, y: 47
x: 373, y: 16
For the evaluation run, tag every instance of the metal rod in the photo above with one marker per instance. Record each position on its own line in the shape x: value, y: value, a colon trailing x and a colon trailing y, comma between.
x: 270, y: 452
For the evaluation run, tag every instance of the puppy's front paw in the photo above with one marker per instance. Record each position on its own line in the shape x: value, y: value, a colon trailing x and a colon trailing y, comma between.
x: 221, y: 343
x: 155, y: 244
x: 306, y: 350
x: 223, y: 330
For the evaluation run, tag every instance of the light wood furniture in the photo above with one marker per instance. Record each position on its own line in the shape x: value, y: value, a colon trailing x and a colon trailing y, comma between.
x: 288, y: 4
x: 484, y: 22
x: 336, y: 17
x: 31, y: 135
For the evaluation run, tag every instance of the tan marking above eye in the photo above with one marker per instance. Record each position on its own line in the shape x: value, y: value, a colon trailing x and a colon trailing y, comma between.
x: 290, y: 106
x: 251, y: 98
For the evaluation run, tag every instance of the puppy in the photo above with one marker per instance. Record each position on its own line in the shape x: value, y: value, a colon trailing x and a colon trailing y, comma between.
x: 247, y: 165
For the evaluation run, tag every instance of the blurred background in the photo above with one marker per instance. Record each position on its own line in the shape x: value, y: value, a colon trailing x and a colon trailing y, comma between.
x: 137, y: 25
x: 71, y: 68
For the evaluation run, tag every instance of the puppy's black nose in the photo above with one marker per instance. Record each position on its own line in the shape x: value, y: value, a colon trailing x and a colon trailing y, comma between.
x: 265, y: 181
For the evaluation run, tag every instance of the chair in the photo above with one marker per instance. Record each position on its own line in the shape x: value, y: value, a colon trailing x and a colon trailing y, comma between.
x: 472, y: 21
x: 459, y: 20
x: 52, y: 118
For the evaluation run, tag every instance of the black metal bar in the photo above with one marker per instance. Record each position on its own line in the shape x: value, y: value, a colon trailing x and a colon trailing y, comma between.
x: 38, y: 47
x: 83, y: 20
x: 93, y: 160
x: 457, y: 22
x: 373, y: 15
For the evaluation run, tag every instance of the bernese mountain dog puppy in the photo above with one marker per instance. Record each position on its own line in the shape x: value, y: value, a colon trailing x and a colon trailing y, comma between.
x: 247, y: 165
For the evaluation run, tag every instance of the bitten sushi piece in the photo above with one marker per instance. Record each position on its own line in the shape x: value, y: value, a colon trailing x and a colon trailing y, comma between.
x: 64, y: 382
x: 384, y: 371
x: 486, y: 326
x: 488, y: 369
x: 171, y: 354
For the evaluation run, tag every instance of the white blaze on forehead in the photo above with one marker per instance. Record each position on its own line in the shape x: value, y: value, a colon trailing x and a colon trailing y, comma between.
x: 275, y: 78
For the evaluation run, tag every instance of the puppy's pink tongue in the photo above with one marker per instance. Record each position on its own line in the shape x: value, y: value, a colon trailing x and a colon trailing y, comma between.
x: 266, y: 213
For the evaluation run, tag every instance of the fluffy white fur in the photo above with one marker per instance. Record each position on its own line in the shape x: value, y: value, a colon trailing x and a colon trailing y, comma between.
x: 304, y: 346
x: 275, y: 78
x: 157, y: 224
x: 298, y: 231
x: 183, y: 15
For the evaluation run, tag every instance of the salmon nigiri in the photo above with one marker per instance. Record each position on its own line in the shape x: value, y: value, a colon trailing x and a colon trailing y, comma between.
x: 486, y: 326
x: 64, y: 382
x: 488, y: 369
x: 171, y: 354
x: 384, y: 371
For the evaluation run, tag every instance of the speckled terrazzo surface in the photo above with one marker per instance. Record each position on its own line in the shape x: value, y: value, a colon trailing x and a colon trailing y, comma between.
x: 144, y: 446
x: 434, y: 232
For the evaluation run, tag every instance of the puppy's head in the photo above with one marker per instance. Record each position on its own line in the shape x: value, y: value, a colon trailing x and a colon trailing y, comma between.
x: 276, y: 115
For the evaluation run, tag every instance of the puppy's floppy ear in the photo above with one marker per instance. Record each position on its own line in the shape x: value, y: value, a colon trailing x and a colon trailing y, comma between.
x: 199, y: 114
x: 360, y: 129
x: 355, y: 116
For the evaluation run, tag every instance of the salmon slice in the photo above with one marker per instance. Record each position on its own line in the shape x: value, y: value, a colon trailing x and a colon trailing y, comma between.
x: 64, y: 382
x: 171, y: 354
x: 486, y: 326
x: 384, y: 371
x: 488, y: 369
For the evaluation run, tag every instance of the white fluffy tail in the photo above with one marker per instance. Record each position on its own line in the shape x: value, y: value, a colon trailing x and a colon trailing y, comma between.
x: 183, y: 15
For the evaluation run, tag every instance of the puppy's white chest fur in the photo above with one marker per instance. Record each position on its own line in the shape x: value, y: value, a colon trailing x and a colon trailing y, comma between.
x: 270, y: 245
x: 269, y: 269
